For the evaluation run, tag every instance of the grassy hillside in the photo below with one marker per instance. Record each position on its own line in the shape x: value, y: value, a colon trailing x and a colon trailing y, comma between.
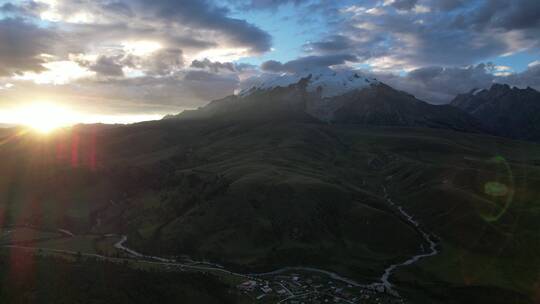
x: 260, y: 196
x: 27, y: 278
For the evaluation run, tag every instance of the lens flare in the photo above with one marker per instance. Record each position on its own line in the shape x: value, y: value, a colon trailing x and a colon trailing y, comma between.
x: 496, y: 189
x: 499, y: 190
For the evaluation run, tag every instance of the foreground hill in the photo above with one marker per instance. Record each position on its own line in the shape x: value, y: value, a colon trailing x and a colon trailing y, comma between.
x: 29, y: 278
x: 507, y: 111
x: 258, y: 196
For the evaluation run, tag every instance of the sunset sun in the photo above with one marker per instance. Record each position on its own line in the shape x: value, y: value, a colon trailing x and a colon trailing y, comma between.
x: 45, y: 117
x: 270, y: 151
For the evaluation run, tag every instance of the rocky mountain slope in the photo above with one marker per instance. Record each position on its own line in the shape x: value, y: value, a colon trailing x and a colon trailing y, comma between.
x: 507, y: 111
x: 337, y: 97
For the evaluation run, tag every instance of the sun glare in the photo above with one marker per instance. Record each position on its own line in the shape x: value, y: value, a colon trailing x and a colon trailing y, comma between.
x: 44, y: 117
x: 141, y: 48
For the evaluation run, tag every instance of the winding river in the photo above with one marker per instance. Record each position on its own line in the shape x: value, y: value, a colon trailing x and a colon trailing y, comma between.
x: 432, y: 249
x: 383, y: 285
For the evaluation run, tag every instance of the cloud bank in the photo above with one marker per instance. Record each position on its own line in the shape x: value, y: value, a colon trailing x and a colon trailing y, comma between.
x: 162, y: 56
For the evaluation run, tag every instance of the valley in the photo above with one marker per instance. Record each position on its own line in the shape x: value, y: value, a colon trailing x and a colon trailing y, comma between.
x: 304, y: 283
x: 437, y: 175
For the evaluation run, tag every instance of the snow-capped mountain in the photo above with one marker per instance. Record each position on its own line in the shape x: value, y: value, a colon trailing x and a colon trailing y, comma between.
x: 327, y: 81
x: 336, y: 97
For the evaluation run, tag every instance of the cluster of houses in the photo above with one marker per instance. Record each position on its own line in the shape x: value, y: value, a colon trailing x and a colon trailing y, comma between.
x: 295, y: 288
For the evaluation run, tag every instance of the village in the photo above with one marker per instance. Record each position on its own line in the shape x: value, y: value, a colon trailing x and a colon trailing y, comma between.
x: 307, y: 287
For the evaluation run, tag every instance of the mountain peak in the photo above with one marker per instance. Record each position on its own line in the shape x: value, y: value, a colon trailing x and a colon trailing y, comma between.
x: 327, y: 82
x: 500, y: 86
x: 507, y: 111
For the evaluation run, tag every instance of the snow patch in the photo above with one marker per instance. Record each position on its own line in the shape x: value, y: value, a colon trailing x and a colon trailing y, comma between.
x: 476, y: 91
x: 330, y: 82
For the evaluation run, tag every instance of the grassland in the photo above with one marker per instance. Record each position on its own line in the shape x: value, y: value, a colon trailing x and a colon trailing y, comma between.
x: 255, y: 196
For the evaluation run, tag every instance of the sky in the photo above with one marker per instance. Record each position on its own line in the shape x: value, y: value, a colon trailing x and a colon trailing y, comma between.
x: 131, y: 60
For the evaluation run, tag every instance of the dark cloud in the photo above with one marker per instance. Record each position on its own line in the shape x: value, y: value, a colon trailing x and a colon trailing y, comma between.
x: 439, y: 84
x: 10, y: 8
x: 527, y: 78
x: 213, y: 66
x: 474, y: 31
x: 308, y: 62
x: 332, y: 44
x: 448, y: 5
x: 107, y: 66
x: 265, y: 4
x: 165, y: 62
x: 119, y: 8
x: 21, y: 45
x: 190, y: 25
x: 272, y: 66
x: 503, y: 14
x: 404, y: 4
x: 426, y: 74
x: 187, y: 42
x: 430, y: 46
x: 202, y: 14
x: 24, y: 9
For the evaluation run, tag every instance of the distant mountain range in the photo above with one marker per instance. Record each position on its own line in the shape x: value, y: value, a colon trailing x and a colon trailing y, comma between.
x: 334, y: 97
x: 506, y: 111
x: 345, y: 97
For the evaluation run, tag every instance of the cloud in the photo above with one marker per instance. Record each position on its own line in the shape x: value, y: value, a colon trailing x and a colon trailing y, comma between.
x: 439, y: 85
x: 423, y: 33
x: 528, y: 78
x: 307, y: 63
x: 23, y: 45
x: 125, y: 56
x: 164, y: 62
x: 202, y: 14
x: 107, y: 66
x: 22, y: 9
x: 404, y: 4
x: 331, y: 44
x: 265, y: 4
x: 183, y: 52
x: 119, y: 8
x: 190, y: 25
x: 503, y: 14
x: 448, y: 5
x: 213, y: 66
x: 534, y: 63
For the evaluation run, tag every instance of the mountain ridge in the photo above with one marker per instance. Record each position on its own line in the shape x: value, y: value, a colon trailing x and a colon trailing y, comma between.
x: 507, y: 111
x: 362, y: 101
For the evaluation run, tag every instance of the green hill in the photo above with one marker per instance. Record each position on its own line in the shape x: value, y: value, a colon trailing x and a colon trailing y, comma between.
x: 258, y: 196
